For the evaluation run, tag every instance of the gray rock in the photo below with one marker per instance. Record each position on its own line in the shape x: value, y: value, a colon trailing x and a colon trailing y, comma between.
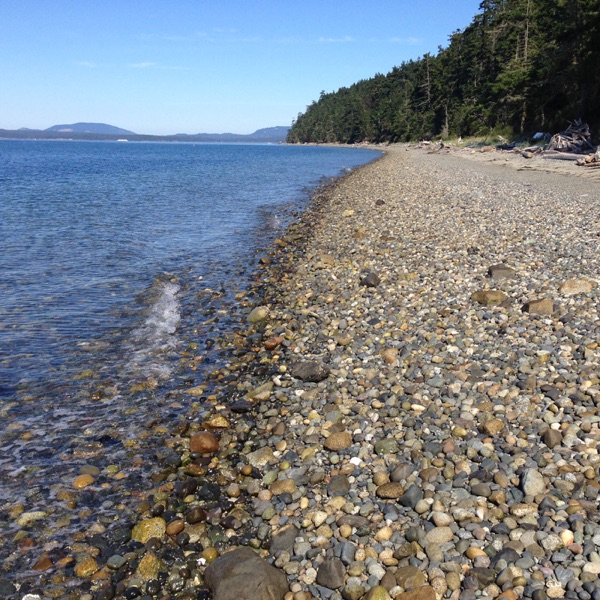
x: 243, y: 575
x: 484, y: 576
x: 370, y: 280
x: 501, y: 272
x: 346, y: 552
x: 311, y: 371
x: 438, y: 535
x: 284, y: 539
x: 402, y: 471
x: 411, y: 496
x: 338, y: 485
x: 552, y: 437
x: 331, y: 574
x: 532, y: 482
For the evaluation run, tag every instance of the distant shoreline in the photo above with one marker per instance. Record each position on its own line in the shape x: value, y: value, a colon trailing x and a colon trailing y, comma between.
x: 34, y: 135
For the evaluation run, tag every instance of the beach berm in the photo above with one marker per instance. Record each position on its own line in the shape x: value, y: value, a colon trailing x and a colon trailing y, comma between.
x: 415, y: 441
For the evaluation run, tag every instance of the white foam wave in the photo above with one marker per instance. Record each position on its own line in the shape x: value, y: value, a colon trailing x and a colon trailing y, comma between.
x: 156, y: 338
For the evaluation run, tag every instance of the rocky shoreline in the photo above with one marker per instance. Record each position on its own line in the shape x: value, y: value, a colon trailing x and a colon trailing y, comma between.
x: 412, y: 412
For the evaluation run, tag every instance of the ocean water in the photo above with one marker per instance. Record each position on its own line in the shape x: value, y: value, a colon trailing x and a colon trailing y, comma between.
x: 116, y: 258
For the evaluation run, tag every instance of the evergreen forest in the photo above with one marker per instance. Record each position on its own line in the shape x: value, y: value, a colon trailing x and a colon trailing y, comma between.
x: 520, y: 67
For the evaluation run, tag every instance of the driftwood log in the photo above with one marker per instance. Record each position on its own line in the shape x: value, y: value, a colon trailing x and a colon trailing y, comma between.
x: 591, y: 160
x: 560, y: 155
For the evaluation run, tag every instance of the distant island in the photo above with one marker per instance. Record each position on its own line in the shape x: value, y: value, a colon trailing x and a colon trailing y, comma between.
x: 101, y: 128
x: 103, y: 131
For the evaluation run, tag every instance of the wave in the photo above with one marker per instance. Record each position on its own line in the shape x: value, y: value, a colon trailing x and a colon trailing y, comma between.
x: 154, y: 341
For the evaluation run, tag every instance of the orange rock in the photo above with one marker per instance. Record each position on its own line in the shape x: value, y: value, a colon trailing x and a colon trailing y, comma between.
x: 273, y: 343
x: 82, y: 481
x: 204, y: 442
x: 175, y: 527
x: 508, y: 595
x: 43, y: 563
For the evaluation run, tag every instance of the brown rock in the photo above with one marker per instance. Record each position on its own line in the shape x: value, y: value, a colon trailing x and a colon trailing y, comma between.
x: 489, y: 297
x: 43, y: 563
x: 390, y: 490
x: 323, y: 261
x: 576, y: 286
x: 204, y: 442
x: 283, y: 486
x: 389, y: 355
x: 338, y: 441
x: 425, y: 592
x: 175, y: 527
x: 273, y: 343
x: 410, y: 577
x: 543, y: 306
x: 493, y: 426
x: 552, y: 437
x: 86, y: 567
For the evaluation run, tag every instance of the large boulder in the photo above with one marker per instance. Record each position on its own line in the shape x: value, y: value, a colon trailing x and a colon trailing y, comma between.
x: 242, y: 575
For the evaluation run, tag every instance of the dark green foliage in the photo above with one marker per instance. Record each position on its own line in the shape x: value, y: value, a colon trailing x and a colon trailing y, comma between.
x: 520, y: 66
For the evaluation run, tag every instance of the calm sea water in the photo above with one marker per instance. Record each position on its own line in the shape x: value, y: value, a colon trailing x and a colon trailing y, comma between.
x: 89, y: 229
x: 114, y: 258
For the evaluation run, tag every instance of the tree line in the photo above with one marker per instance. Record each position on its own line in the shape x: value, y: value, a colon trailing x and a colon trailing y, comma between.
x: 521, y: 66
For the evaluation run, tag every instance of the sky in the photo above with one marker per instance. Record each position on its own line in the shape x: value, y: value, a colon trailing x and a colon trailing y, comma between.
x: 202, y: 66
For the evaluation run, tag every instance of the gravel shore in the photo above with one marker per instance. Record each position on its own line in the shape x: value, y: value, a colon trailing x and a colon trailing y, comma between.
x: 413, y: 411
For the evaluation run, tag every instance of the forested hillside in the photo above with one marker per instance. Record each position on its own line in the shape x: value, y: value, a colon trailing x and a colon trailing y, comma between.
x: 520, y: 66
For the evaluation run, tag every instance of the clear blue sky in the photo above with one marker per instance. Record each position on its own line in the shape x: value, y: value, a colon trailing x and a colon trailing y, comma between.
x: 191, y: 66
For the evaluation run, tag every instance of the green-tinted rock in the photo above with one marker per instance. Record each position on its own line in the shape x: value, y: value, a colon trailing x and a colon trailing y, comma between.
x: 149, y: 567
x: 386, y: 446
x: 149, y: 528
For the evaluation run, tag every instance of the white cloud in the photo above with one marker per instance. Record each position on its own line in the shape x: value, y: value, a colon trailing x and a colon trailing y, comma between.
x: 154, y: 65
x: 143, y: 65
x: 332, y: 40
x: 407, y: 41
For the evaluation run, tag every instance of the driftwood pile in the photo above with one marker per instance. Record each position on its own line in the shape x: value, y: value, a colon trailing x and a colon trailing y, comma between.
x: 576, y: 138
x: 568, y: 145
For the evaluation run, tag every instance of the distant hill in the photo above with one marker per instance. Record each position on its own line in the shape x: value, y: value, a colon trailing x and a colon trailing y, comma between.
x: 101, y: 131
x: 267, y: 135
x: 99, y: 128
x: 279, y: 132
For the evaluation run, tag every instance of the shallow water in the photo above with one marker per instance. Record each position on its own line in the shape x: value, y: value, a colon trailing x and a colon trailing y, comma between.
x: 120, y: 265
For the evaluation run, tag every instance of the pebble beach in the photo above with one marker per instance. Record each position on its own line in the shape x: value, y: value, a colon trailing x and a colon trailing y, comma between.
x: 411, y: 410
